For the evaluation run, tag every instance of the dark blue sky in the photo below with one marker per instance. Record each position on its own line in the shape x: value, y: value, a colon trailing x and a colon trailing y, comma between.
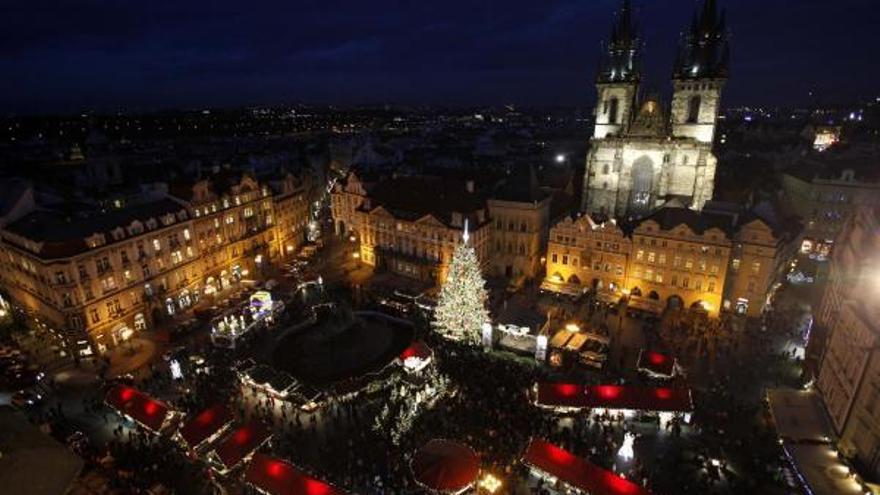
x: 107, y: 54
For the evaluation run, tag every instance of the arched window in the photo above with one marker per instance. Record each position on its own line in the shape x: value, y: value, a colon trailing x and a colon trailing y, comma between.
x: 693, y: 115
x: 612, y: 110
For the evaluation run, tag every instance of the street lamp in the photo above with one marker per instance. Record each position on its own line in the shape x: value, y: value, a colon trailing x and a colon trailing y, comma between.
x: 560, y: 158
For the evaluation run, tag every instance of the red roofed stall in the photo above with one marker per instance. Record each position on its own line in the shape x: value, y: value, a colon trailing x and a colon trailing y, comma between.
x: 614, y: 397
x: 239, y: 445
x: 551, y: 461
x: 656, y: 364
x: 276, y: 477
x: 144, y: 410
x: 416, y: 356
x: 206, y: 426
x: 445, y: 466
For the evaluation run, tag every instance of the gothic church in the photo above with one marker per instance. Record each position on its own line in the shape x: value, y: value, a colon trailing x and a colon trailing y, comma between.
x: 639, y: 157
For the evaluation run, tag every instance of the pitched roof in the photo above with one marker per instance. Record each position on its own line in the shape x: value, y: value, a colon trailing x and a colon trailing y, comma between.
x: 413, y: 197
x: 63, y: 233
x: 669, y: 217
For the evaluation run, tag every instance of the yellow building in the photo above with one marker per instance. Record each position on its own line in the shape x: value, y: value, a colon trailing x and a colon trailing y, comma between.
x: 411, y: 225
x: 679, y: 257
x: 98, y: 276
x: 584, y: 254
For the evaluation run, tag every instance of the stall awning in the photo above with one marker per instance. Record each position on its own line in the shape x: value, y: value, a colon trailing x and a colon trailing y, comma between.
x: 577, y: 472
x: 146, y: 411
x: 418, y: 349
x: 276, y: 477
x: 207, y: 424
x: 616, y: 397
x: 445, y: 466
x: 241, y: 443
x: 656, y: 363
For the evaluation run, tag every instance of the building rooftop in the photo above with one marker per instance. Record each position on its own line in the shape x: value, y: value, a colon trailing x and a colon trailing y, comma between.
x: 62, y: 232
x: 673, y: 214
x: 413, y: 197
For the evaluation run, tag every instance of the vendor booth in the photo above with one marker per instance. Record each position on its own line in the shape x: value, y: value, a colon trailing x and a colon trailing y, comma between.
x: 148, y: 413
x: 444, y: 466
x: 656, y: 365
x: 238, y: 447
x: 204, y: 428
x: 272, y: 476
x: 551, y: 463
x: 615, y: 398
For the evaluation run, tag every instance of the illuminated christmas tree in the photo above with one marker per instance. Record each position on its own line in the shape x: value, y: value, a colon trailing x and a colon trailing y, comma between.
x: 461, y: 310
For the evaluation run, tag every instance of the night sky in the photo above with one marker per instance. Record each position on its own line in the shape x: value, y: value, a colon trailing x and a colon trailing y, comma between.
x: 107, y: 55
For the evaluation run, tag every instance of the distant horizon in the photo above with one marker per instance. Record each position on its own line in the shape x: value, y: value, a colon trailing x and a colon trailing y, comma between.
x: 103, y: 57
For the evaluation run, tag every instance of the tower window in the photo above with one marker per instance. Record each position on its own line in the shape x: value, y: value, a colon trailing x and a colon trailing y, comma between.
x: 613, y: 110
x: 693, y: 115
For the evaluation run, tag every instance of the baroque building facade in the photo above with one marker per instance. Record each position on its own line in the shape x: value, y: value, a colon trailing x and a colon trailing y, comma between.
x: 97, y: 277
x: 639, y: 156
x: 676, y: 256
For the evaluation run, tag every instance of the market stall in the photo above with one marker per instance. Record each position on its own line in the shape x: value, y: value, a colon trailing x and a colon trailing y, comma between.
x: 444, y: 466
x: 416, y: 357
x: 272, y: 476
x: 551, y: 463
x: 138, y: 407
x: 204, y: 428
x: 239, y: 446
x: 615, y: 398
x: 656, y: 365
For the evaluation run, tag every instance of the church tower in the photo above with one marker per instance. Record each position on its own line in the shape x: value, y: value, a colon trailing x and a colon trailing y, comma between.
x: 618, y: 79
x: 701, y: 70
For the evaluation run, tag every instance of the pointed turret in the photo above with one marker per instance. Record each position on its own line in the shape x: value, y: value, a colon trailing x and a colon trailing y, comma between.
x: 621, y: 58
x: 702, y: 54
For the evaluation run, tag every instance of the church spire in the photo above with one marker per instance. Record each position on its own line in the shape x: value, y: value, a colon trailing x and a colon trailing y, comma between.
x: 704, y: 52
x: 620, y: 61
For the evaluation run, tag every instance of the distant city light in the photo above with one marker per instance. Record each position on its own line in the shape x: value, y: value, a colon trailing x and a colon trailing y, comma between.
x: 560, y: 158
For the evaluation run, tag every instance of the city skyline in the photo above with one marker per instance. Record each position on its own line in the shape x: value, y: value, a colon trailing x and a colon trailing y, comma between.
x: 133, y: 57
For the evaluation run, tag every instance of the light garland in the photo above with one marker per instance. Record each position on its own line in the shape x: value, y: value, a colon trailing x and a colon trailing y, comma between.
x: 461, y: 309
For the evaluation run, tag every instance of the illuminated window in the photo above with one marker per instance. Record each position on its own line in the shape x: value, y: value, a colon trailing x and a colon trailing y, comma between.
x: 662, y: 259
x: 651, y: 257
x: 640, y: 255
x: 735, y: 264
x: 186, y: 234
x: 689, y: 264
x: 756, y: 267
x: 157, y: 246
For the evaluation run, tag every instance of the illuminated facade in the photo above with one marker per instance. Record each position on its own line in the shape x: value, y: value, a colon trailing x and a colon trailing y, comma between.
x: 583, y: 253
x: 849, y: 371
x: 519, y: 234
x: 639, y: 156
x: 411, y: 225
x: 98, y: 277
x: 677, y: 256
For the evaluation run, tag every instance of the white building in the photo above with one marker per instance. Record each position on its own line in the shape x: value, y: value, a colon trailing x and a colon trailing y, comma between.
x: 640, y: 156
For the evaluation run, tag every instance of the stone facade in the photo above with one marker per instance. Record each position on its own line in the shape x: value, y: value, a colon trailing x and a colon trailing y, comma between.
x: 680, y: 257
x: 849, y: 371
x: 103, y: 277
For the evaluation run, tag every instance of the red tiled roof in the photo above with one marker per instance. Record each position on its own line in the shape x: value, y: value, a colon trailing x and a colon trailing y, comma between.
x: 656, y: 363
x: 241, y: 443
x: 205, y: 425
x: 445, y: 466
x: 578, y: 472
x: 615, y: 397
x: 276, y: 477
x: 139, y: 406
